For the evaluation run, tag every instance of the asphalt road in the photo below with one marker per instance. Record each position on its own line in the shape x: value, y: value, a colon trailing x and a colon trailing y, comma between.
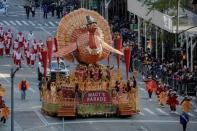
x: 28, y: 116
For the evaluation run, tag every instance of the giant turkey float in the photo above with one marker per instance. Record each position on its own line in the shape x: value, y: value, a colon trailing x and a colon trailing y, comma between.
x: 92, y: 89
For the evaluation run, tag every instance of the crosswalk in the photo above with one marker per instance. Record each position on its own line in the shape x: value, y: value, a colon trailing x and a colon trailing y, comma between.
x: 160, y: 111
x: 28, y: 23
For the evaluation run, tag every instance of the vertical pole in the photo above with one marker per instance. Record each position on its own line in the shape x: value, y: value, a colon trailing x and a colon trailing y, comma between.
x: 162, y: 50
x: 12, y: 99
x: 156, y: 44
x: 138, y: 32
x: 145, y: 36
x: 187, y: 51
x: 191, y: 51
x: 177, y: 24
x: 63, y: 124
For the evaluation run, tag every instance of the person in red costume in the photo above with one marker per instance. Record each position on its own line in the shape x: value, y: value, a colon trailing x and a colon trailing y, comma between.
x: 1, y: 32
x: 32, y: 58
x: 172, y: 101
x: 10, y: 34
x: 26, y: 45
x: 35, y: 46
x: 16, y: 45
x: 151, y: 86
x: 1, y: 46
x: 27, y: 55
x: 8, y: 45
x: 5, y: 38
x: 19, y: 57
x: 20, y: 39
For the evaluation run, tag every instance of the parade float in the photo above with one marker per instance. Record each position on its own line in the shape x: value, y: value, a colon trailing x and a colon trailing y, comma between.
x: 92, y: 89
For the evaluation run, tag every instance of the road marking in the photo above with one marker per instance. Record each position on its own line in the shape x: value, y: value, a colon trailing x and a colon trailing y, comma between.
x: 1, y: 23
x: 4, y: 77
x: 149, y: 111
x: 6, y: 23
x: 163, y: 112
x: 190, y: 114
x: 12, y: 22
x: 39, y: 24
x: 24, y: 22
x: 143, y: 128
x: 32, y: 90
x: 142, y: 114
x: 18, y: 22
x: 57, y: 22
x: 176, y: 113
x: 46, y: 24
x: 142, y: 89
x: 106, y: 121
x: 32, y: 23
x: 45, y: 30
x: 51, y: 23
x: 45, y: 122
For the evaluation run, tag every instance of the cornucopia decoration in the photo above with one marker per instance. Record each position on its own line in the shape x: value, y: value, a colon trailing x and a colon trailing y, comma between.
x: 84, y: 35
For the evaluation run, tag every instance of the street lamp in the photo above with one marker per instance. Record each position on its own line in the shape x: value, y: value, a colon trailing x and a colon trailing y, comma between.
x: 12, y: 96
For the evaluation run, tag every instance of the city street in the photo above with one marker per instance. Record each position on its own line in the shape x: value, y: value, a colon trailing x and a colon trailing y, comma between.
x: 27, y: 113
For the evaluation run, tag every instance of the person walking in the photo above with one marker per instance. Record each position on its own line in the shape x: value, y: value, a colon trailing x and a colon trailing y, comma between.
x: 151, y: 86
x: 27, y: 10
x: 184, y: 119
x: 186, y: 104
x: 23, y: 86
x: 19, y: 57
x: 30, y: 38
x: 172, y: 101
x: 45, y: 10
x: 4, y: 113
x: 1, y: 46
x: 33, y: 10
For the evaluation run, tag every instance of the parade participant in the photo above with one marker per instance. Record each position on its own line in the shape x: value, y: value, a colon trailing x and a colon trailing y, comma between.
x: 1, y: 46
x: 30, y: 38
x: 186, y: 104
x: 27, y: 55
x: 40, y: 56
x: 14, y: 56
x: 20, y: 39
x: 19, y: 57
x: 151, y: 86
x: 32, y: 58
x: 40, y: 45
x: 7, y: 47
x: 35, y: 46
x: 4, y: 113
x: 1, y: 32
x: 5, y: 38
x: 10, y: 34
x: 184, y: 119
x: 26, y: 45
x: 16, y: 45
x: 23, y: 86
x: 172, y: 101
x: 163, y: 96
